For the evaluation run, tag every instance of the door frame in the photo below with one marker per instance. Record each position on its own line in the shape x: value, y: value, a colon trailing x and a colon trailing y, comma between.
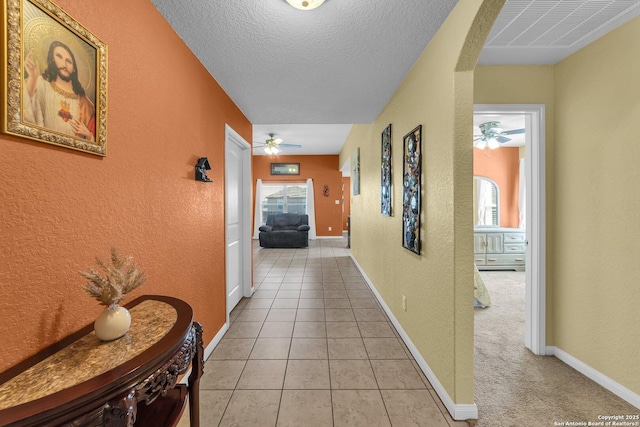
x: 233, y: 137
x: 535, y: 288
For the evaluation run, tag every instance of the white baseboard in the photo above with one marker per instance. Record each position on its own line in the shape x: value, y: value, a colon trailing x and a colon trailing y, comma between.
x: 208, y: 350
x: 596, y: 376
x: 458, y: 411
x: 214, y: 342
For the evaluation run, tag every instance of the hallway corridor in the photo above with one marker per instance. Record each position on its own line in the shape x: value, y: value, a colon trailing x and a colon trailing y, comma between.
x: 312, y: 347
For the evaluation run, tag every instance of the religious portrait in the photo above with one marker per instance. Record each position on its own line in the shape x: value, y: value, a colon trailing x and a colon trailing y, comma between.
x: 55, y: 80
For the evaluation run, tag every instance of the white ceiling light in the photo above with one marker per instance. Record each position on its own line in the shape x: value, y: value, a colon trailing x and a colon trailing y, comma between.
x: 493, y: 143
x: 271, y: 149
x: 305, y: 4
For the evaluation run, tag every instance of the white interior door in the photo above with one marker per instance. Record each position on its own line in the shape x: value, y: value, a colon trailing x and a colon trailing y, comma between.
x: 535, y: 276
x: 237, y: 195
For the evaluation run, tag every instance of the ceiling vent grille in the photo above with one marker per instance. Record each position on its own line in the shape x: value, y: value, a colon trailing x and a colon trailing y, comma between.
x: 544, y: 23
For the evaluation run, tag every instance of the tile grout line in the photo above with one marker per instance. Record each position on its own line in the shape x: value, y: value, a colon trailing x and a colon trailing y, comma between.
x: 325, y: 273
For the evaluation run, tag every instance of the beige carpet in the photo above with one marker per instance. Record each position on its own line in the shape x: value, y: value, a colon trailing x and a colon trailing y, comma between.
x: 513, y: 387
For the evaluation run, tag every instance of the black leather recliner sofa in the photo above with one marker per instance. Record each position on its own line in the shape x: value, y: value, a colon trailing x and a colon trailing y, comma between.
x: 285, y: 230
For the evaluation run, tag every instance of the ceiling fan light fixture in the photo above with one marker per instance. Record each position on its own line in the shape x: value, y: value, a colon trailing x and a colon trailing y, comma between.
x: 481, y: 144
x: 493, y: 143
x: 305, y: 4
x: 270, y: 149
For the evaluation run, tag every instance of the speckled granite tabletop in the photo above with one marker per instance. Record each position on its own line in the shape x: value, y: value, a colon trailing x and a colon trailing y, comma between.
x: 89, y: 357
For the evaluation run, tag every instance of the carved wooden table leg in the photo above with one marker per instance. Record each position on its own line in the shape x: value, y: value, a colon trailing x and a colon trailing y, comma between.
x: 197, y: 364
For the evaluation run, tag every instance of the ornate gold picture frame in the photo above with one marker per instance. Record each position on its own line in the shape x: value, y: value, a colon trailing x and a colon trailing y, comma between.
x: 54, y: 83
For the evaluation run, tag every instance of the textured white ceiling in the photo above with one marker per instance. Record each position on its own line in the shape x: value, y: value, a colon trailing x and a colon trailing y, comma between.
x: 340, y: 63
x: 315, y: 138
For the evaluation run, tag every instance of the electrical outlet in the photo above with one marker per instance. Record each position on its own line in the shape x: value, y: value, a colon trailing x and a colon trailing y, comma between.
x: 329, y: 228
x: 404, y: 303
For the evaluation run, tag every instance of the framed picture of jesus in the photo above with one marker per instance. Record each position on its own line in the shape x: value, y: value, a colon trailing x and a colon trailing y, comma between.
x: 55, y: 80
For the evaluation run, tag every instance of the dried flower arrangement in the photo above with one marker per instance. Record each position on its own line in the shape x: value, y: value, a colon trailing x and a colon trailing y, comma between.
x: 121, y: 277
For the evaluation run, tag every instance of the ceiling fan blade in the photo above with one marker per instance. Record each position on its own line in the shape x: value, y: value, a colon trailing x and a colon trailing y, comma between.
x: 478, y: 137
x: 291, y: 145
x: 512, y: 132
x: 502, y: 139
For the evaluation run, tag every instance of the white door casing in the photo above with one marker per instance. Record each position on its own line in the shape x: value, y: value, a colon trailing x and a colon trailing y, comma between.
x: 237, y: 217
x: 535, y: 288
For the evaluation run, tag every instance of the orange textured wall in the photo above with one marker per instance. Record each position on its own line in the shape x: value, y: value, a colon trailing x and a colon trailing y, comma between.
x: 61, y: 208
x: 346, y: 186
x: 503, y: 167
x: 324, y: 171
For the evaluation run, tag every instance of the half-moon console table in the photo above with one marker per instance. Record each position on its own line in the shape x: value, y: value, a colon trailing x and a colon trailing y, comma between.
x: 82, y: 381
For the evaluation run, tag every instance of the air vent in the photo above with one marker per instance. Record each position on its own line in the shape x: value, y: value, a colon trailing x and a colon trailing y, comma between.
x: 543, y: 23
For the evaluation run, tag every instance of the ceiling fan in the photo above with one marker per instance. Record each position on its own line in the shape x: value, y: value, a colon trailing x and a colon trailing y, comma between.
x: 492, y: 135
x: 274, y: 145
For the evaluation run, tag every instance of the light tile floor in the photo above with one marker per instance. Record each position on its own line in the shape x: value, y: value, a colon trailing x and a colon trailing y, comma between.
x: 313, y: 347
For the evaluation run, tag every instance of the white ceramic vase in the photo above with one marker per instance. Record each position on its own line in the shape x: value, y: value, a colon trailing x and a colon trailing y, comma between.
x: 112, y: 323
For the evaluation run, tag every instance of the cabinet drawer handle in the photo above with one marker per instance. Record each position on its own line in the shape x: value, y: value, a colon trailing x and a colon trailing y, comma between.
x: 492, y: 259
x: 519, y: 259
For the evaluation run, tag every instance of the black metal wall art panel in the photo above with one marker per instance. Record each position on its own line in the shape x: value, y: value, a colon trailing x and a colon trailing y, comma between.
x: 385, y: 172
x: 411, y: 190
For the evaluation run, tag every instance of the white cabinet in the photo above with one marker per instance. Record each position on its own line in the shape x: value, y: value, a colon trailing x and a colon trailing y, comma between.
x: 494, y: 243
x: 499, y: 248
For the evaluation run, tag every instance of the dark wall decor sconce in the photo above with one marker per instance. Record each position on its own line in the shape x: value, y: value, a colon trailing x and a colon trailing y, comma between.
x: 325, y: 190
x: 201, y: 169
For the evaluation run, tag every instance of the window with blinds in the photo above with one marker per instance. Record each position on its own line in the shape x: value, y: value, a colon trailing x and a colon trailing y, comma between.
x: 283, y: 198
